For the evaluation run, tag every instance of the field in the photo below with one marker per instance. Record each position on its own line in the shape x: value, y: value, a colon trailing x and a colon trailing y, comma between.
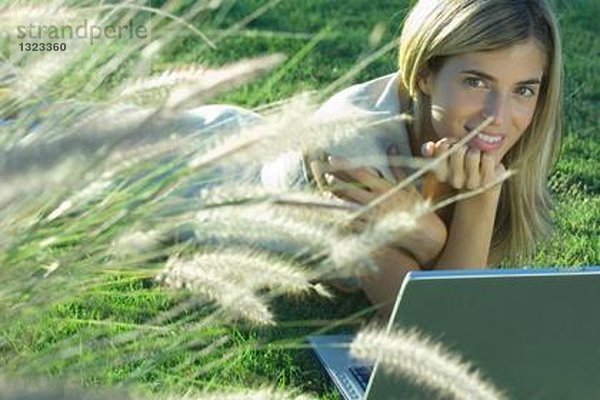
x: 74, y: 311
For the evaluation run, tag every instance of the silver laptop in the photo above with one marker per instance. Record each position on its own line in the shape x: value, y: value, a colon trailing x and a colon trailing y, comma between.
x: 534, y: 333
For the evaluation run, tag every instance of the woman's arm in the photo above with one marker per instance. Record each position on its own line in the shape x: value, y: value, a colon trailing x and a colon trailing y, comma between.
x: 471, y: 224
x: 382, y: 287
x: 363, y: 185
x: 465, y: 244
x: 413, y: 250
x: 470, y: 232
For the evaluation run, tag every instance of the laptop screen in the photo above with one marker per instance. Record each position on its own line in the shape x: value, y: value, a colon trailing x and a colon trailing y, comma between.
x: 534, y: 333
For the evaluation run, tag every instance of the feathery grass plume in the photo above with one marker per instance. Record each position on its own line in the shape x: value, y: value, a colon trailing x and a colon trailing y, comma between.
x: 165, y: 79
x: 137, y: 242
x: 45, y: 70
x: 114, y: 133
x: 349, y: 256
x: 85, y: 153
x: 191, y: 86
x: 425, y: 362
x: 252, y: 268
x: 176, y: 76
x: 166, y: 27
x: 86, y: 174
x: 285, y: 129
x: 229, y: 193
x: 81, y: 175
x: 394, y: 225
x: 42, y: 71
x: 207, y: 279
x: 256, y: 223
x: 222, y: 80
x: 50, y: 163
x: 352, y: 255
x: 307, y: 204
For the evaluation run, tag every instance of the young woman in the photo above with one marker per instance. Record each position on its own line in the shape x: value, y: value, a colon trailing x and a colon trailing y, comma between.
x: 462, y: 63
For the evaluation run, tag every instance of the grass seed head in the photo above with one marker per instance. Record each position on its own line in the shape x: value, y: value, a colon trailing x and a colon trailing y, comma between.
x: 424, y: 361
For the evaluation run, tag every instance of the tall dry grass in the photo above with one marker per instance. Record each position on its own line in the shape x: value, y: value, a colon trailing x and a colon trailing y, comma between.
x: 162, y: 192
x: 424, y: 361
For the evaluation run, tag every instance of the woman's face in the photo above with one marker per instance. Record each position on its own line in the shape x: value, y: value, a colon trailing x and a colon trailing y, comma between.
x: 503, y: 84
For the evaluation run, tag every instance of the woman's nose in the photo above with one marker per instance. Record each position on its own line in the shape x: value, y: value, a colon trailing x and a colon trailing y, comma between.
x: 496, y: 106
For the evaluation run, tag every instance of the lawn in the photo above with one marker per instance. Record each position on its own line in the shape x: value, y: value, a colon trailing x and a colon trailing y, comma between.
x: 74, y: 311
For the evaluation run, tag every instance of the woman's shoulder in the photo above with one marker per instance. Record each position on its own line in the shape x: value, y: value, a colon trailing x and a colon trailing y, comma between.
x: 375, y: 107
x: 375, y: 96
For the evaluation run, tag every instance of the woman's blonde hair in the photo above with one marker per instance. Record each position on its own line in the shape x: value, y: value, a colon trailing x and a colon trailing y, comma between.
x: 437, y: 29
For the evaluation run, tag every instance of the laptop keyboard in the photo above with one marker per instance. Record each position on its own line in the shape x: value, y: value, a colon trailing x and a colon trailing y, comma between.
x: 362, y: 373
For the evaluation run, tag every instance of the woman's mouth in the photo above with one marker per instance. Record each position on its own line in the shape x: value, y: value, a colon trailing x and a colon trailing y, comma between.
x: 486, y: 141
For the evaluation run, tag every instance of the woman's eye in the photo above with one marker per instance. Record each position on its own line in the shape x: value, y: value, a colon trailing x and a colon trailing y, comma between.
x: 525, y: 91
x: 474, y: 82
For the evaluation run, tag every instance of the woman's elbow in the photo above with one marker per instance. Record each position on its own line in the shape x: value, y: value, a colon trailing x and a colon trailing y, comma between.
x: 427, y: 240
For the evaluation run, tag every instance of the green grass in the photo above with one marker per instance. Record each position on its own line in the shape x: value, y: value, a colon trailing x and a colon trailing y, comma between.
x: 81, y: 332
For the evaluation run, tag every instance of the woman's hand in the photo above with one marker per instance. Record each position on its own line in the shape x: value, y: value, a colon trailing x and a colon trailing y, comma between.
x: 466, y: 168
x: 362, y: 185
x: 470, y: 220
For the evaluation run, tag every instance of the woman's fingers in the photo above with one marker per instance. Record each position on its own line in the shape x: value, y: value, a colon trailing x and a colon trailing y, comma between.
x: 472, y: 168
x: 464, y: 168
x: 337, y: 176
x: 360, y: 185
x: 442, y: 169
x: 428, y: 149
x: 457, y: 168
x: 349, y: 191
x: 367, y: 177
x: 487, y: 169
x: 331, y: 185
